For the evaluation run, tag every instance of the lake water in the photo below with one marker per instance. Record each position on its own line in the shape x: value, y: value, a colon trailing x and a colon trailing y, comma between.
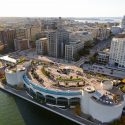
x: 15, y: 111
x: 100, y: 20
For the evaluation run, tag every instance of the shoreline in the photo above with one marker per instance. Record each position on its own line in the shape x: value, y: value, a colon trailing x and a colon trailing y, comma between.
x: 65, y: 114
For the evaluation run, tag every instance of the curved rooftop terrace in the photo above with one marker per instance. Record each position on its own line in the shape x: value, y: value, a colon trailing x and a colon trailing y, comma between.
x: 27, y: 81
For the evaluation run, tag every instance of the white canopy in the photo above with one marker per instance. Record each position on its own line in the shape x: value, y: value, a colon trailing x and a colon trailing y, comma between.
x: 8, y: 59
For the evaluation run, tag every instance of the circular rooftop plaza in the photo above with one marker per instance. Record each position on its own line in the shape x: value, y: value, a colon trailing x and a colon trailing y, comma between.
x: 54, y: 83
x: 57, y: 76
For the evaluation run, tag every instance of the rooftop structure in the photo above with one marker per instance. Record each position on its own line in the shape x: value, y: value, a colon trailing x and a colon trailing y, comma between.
x: 120, y: 36
x: 101, y: 104
x: 67, y: 85
x: 62, y: 83
x: 106, y: 84
x: 116, y: 30
x: 89, y: 89
x: 8, y: 59
x: 14, y: 75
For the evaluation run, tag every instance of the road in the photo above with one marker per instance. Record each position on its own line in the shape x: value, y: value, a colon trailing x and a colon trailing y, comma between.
x: 98, y: 47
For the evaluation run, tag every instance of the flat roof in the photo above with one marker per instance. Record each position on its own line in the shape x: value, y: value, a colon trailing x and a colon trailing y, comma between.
x: 120, y: 36
x: 43, y: 38
x: 9, y: 59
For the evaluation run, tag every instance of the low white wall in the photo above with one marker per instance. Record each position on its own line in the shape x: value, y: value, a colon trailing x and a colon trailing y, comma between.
x: 85, y: 102
x: 11, y: 78
x: 14, y: 78
x: 105, y: 113
x: 101, y: 112
x: 106, y: 86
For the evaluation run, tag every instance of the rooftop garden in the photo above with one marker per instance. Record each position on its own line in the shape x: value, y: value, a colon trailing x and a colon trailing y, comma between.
x: 14, y: 70
x: 46, y: 73
x: 122, y: 88
x: 36, y: 76
x: 69, y: 79
x: 21, y: 60
x: 0, y: 64
x: 34, y: 62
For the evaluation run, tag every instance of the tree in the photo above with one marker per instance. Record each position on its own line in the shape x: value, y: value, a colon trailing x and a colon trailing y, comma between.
x: 76, y: 57
x: 58, y: 83
x: 66, y: 83
x: 88, y: 44
x: 95, y: 55
x: 77, y: 83
x: 71, y: 77
x: 92, y: 59
x: 84, y: 52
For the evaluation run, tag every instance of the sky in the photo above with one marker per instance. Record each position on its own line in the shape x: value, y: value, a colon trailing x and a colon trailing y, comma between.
x: 62, y: 8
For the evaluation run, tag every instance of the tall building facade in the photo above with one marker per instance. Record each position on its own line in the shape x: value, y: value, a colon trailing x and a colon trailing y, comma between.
x: 42, y: 46
x: 123, y: 23
x: 103, y: 57
x: 32, y: 31
x: 7, y: 37
x: 117, y: 51
x: 71, y: 49
x: 21, y: 33
x: 56, y: 42
x: 21, y: 44
x: 52, y: 43
x: 101, y: 33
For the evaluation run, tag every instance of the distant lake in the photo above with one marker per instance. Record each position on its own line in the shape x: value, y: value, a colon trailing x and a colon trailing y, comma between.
x: 100, y: 20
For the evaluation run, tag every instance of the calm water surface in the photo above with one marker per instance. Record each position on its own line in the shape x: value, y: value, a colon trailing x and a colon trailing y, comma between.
x: 15, y: 111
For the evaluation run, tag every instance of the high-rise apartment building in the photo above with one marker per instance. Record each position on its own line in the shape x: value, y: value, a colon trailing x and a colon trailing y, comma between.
x: 71, y: 49
x: 32, y: 31
x: 117, y: 51
x: 57, y: 38
x: 56, y: 42
x: 7, y: 37
x: 52, y: 43
x: 21, y: 33
x: 123, y: 23
x: 42, y: 46
x: 101, y: 33
x: 73, y: 46
x: 21, y: 44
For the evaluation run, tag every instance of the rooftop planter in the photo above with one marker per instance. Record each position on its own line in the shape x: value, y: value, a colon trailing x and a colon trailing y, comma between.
x: 122, y: 88
x: 69, y: 79
x: 46, y: 73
